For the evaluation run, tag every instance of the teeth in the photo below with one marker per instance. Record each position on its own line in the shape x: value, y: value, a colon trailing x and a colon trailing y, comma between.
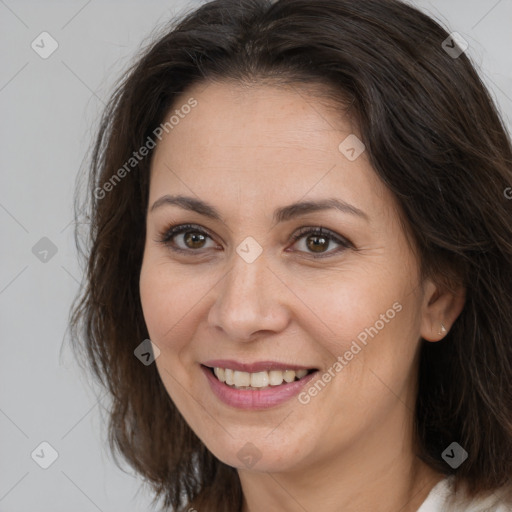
x: 275, y: 378
x: 242, y: 379
x: 289, y: 375
x: 301, y: 373
x: 229, y: 376
x: 220, y: 373
x: 245, y: 380
x: 259, y: 380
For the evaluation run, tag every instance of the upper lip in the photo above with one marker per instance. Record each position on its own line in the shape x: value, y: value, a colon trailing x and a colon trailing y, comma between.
x: 257, y: 366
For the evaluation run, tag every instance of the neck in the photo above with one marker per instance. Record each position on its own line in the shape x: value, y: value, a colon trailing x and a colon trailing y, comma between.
x: 379, y: 472
x: 403, y: 490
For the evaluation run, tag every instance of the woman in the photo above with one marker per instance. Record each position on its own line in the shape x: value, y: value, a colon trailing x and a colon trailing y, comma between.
x: 303, y: 206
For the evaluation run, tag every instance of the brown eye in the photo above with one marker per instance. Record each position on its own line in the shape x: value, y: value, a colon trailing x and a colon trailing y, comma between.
x: 194, y: 239
x: 318, y: 240
x: 317, y: 243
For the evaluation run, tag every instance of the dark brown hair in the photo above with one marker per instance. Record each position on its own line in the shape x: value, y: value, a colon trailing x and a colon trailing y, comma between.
x: 433, y: 136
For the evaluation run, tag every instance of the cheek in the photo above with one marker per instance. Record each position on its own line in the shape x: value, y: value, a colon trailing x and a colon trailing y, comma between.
x: 164, y: 300
x: 370, y: 321
x: 165, y: 304
x: 347, y: 308
x: 172, y: 298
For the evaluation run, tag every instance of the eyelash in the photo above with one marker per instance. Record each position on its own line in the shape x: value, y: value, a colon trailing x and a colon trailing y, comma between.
x: 168, y: 234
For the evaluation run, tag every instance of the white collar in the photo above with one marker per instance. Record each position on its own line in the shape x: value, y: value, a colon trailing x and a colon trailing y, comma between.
x: 437, y: 501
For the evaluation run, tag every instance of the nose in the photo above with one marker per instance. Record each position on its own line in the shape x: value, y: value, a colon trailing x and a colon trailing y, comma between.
x: 250, y: 301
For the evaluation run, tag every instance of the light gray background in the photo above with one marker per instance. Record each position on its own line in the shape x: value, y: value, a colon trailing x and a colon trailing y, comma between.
x: 50, y: 109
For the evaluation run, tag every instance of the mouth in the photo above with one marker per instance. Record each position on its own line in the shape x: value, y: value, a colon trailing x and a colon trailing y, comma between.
x: 254, y: 381
x: 255, y: 386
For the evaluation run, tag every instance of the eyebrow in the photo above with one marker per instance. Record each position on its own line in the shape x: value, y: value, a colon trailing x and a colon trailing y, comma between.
x: 282, y: 214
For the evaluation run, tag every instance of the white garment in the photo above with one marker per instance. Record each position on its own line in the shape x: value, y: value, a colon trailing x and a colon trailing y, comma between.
x: 437, y: 501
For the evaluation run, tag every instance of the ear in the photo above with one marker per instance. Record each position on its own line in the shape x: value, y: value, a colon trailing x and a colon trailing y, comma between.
x: 440, y: 308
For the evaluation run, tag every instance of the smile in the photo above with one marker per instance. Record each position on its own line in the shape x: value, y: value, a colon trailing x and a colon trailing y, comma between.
x: 257, y: 380
x: 251, y: 386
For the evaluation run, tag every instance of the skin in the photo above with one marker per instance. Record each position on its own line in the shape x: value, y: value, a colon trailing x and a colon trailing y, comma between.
x: 248, y: 150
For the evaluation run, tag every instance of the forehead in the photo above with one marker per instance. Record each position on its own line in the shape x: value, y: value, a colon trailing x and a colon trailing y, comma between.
x: 271, y: 113
x: 270, y: 143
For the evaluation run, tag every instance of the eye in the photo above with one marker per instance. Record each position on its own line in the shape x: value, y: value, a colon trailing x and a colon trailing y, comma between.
x: 318, y: 239
x: 194, y: 238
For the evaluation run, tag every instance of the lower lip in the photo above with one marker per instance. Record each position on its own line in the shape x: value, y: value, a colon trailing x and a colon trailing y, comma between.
x: 257, y: 399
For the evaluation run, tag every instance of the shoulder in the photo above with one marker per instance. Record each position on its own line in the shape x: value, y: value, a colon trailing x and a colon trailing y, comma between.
x: 442, y: 498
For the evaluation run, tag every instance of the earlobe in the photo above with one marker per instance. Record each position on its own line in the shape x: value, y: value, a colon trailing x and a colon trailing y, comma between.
x: 440, y: 310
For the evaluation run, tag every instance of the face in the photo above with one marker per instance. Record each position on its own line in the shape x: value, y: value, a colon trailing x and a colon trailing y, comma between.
x: 259, y: 292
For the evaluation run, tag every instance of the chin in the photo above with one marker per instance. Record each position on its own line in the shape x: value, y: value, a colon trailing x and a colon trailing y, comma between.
x: 259, y: 455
